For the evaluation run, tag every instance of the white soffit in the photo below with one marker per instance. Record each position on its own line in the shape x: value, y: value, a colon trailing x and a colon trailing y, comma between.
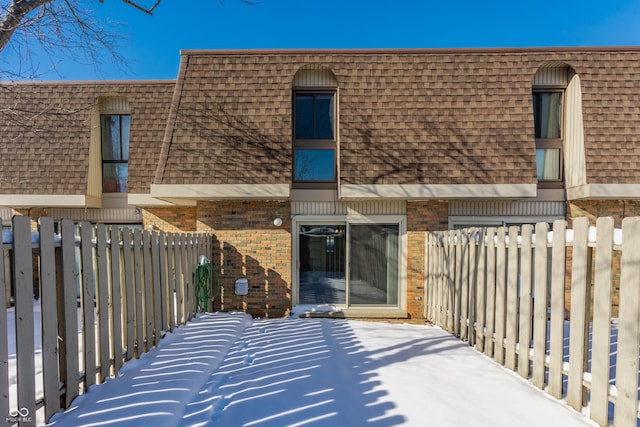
x: 604, y: 191
x: 220, y: 191
x: 48, y: 200
x: 438, y: 191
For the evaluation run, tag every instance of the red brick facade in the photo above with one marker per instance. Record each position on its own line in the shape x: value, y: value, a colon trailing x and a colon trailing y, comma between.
x: 247, y: 245
x: 174, y: 219
x: 421, y: 217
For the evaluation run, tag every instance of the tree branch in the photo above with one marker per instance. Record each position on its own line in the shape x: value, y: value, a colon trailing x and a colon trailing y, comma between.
x: 142, y: 8
x: 14, y: 16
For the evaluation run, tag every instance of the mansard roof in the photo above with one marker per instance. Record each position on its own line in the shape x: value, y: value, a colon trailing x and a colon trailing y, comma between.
x: 45, y: 133
x: 405, y: 116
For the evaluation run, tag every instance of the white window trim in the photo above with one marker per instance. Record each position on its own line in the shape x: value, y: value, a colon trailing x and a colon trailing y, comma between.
x: 401, y: 220
x: 499, y: 221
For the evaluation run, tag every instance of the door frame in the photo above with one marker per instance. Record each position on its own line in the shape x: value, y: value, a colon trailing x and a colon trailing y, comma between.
x: 401, y: 220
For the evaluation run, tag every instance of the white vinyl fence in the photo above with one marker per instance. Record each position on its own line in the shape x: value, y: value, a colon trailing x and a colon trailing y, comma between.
x: 540, y: 303
x: 106, y: 295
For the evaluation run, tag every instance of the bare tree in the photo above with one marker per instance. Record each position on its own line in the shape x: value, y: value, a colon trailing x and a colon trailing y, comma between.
x: 66, y: 27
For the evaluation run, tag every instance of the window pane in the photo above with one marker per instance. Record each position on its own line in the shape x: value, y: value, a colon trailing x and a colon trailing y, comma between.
x: 324, y: 116
x: 114, y: 177
x: 546, y: 114
x: 548, y: 163
x: 304, y: 116
x: 322, y: 264
x: 373, y: 276
x: 314, y: 165
x: 125, y: 121
x: 110, y: 126
x: 314, y: 116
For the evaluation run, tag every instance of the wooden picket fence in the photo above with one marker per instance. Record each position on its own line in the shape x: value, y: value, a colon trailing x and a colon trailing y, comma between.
x: 503, y: 290
x: 107, y: 294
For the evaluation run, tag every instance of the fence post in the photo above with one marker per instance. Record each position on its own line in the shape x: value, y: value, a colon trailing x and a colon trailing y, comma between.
x: 171, y: 271
x: 490, y: 316
x: 116, y: 299
x: 556, y: 338
x: 481, y: 289
x: 524, y: 325
x: 473, y: 278
x: 164, y: 287
x: 88, y: 303
x: 579, y: 300
x: 457, y: 302
x: 156, y: 285
x: 103, y: 303
x: 147, y: 290
x: 428, y: 275
x: 23, y: 268
x: 540, y: 305
x: 129, y: 299
x: 68, y: 313
x: 626, y: 409
x: 5, y: 288
x: 138, y: 265
x: 512, y: 299
x: 501, y: 296
x: 601, y: 341
x: 49, y: 318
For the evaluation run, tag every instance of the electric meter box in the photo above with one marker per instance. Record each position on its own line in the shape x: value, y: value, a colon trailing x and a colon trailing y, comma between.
x: 242, y: 287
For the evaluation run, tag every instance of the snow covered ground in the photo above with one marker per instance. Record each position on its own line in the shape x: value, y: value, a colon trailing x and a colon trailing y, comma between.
x: 226, y: 369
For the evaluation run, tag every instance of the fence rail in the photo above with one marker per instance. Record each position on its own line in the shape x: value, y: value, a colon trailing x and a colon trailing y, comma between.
x: 105, y: 295
x: 518, y: 293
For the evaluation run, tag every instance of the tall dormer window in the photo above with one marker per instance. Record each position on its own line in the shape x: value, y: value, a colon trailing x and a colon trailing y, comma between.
x: 314, y: 128
x: 547, y: 117
x: 314, y: 148
x: 548, y: 97
x: 115, y: 152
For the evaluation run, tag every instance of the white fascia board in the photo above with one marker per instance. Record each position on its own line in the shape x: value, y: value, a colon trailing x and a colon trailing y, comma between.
x: 604, y: 192
x: 438, y: 191
x: 49, y: 201
x: 220, y: 191
x: 139, y: 199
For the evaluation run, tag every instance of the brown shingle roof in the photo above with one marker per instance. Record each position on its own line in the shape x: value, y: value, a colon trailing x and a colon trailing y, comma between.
x: 45, y: 131
x: 412, y: 116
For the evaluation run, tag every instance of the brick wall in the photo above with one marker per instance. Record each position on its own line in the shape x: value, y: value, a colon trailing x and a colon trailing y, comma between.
x: 593, y: 209
x: 171, y: 220
x: 248, y: 245
x: 421, y: 217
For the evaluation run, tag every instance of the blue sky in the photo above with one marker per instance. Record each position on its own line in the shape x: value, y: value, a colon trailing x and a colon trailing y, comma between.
x: 154, y: 42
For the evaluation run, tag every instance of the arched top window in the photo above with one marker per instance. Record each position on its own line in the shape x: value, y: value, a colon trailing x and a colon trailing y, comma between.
x: 315, y: 75
x: 548, y: 95
x: 315, y: 130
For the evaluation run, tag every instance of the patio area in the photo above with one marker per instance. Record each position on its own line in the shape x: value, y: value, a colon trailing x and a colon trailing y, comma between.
x: 226, y: 369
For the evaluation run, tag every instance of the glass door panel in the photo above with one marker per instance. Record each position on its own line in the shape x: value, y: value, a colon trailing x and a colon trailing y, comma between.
x: 322, y: 263
x: 373, y: 270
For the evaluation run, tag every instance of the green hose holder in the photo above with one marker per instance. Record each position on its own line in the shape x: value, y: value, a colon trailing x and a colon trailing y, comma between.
x: 205, y: 272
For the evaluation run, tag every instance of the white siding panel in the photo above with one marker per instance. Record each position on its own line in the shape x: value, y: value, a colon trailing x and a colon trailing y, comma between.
x: 314, y: 76
x: 114, y: 105
x: 552, y: 76
x: 505, y: 208
x: 391, y: 207
x: 106, y: 215
x: 5, y: 215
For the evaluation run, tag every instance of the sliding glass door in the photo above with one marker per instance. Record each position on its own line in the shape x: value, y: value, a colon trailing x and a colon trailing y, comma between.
x: 373, y: 272
x: 321, y: 260
x: 348, y: 263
